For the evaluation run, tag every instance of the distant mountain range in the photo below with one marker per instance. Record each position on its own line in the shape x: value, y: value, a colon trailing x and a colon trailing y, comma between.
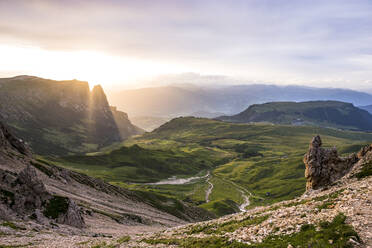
x: 61, y: 117
x: 186, y: 99
x: 149, y: 123
x: 318, y: 113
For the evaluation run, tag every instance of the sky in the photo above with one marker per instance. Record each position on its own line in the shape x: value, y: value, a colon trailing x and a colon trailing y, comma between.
x: 324, y: 43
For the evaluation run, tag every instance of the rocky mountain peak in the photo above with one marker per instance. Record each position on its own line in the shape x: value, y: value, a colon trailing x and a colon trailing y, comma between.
x: 99, y: 97
x: 60, y: 117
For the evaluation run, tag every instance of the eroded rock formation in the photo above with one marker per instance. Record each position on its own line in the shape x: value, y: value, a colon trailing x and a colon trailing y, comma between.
x: 24, y: 194
x: 324, y: 166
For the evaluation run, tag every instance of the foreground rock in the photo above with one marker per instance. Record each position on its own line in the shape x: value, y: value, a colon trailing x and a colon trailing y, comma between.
x: 324, y: 166
x: 25, y: 195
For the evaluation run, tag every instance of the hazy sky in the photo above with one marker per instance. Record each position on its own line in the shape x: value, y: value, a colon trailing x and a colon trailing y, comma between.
x: 316, y: 43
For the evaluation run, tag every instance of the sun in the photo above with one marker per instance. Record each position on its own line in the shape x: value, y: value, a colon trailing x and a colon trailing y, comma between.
x: 92, y: 66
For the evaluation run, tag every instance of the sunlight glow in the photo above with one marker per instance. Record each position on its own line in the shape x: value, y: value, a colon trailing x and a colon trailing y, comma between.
x: 94, y: 67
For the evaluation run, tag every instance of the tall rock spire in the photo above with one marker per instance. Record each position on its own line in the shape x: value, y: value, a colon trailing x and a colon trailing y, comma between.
x: 324, y: 166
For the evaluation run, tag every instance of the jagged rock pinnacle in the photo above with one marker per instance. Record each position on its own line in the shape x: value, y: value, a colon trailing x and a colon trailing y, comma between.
x: 324, y: 166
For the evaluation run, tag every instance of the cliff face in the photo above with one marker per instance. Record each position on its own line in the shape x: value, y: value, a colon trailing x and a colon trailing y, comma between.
x: 60, y: 117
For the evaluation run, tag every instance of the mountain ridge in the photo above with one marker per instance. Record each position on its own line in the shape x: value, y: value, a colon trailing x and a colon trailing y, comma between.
x: 177, y: 100
x: 319, y: 113
x: 60, y: 117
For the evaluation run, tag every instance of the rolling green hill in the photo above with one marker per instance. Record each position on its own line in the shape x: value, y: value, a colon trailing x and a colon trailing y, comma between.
x: 318, y: 113
x: 262, y: 159
x: 135, y: 164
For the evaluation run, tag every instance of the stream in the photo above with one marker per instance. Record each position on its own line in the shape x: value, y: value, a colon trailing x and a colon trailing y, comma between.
x: 174, y: 180
x: 179, y: 181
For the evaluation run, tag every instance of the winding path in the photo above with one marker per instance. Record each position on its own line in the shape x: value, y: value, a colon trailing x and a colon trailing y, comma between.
x: 245, y: 194
x: 209, y: 190
x: 246, y: 201
x: 177, y: 181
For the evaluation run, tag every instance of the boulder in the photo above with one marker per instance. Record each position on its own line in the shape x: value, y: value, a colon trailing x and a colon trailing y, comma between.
x: 73, y: 216
x: 30, y: 192
x: 26, y: 196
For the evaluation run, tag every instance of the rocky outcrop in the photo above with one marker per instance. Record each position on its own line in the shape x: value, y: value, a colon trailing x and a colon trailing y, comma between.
x: 324, y: 166
x: 72, y: 216
x: 24, y: 195
x: 29, y: 192
x: 27, y: 197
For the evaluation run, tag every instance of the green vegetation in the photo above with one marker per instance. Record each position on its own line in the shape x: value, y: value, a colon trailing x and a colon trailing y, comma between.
x: 56, y: 205
x: 170, y: 205
x: 327, y: 235
x: 137, y: 164
x: 330, y: 196
x: 123, y: 240
x: 328, y: 200
x: 221, y: 207
x: 105, y: 245
x: 318, y: 113
x: 210, y: 242
x: 12, y: 225
x: 365, y: 171
x: 61, y: 117
x: 229, y: 226
x: 330, y: 234
x: 263, y: 159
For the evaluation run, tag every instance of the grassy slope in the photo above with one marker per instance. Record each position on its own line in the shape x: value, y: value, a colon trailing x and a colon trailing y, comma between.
x: 263, y: 159
x: 138, y: 165
x: 267, y: 159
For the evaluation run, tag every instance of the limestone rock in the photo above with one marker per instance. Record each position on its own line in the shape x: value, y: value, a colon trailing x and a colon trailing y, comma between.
x: 73, y: 216
x: 324, y: 166
x: 30, y: 191
x: 363, y: 152
x: 26, y: 196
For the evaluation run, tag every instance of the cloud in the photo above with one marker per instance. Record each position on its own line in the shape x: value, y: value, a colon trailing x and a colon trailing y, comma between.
x: 275, y: 40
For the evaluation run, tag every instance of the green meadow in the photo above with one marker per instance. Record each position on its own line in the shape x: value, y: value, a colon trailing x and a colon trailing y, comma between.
x: 262, y: 159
